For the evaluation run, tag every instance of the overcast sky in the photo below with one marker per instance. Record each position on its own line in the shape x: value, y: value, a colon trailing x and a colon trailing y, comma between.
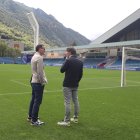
x: 90, y: 18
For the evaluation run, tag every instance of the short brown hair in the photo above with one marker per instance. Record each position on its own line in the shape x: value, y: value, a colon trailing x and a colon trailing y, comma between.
x: 38, y: 47
x: 71, y: 50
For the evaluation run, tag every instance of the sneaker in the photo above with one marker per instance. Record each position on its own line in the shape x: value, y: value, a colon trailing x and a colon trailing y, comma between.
x: 29, y: 119
x: 74, y: 120
x: 37, y: 123
x: 64, y: 123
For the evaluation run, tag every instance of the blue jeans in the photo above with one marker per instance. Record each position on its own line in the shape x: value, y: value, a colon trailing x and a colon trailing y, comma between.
x: 36, y: 100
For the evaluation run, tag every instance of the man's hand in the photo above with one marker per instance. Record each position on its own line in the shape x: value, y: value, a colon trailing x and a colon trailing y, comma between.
x: 43, y: 84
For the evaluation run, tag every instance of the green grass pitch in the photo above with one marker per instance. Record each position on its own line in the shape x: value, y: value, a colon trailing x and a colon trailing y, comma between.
x: 107, y: 111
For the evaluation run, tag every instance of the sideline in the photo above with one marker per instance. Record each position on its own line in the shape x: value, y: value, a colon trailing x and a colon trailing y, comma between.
x: 80, y: 89
x: 20, y: 83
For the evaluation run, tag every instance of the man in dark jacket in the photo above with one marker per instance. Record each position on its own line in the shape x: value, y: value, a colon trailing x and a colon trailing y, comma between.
x: 73, y: 69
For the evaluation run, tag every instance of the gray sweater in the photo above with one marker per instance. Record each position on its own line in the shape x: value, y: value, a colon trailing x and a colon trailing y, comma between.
x: 37, y: 67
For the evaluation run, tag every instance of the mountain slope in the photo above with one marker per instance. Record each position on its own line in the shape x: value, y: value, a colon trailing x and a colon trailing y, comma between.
x: 13, y: 19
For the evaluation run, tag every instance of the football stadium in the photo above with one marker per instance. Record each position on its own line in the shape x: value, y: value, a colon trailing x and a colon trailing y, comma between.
x: 109, y: 91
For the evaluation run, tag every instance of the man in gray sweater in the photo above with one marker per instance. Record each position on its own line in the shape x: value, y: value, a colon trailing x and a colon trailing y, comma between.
x: 38, y: 81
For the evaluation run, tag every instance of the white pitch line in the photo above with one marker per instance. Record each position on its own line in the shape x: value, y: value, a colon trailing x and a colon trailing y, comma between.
x: 20, y: 83
x: 55, y: 91
x: 14, y: 93
x: 133, y: 81
x: 107, y: 87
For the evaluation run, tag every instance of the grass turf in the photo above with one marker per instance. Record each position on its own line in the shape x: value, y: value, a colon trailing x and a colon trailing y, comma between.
x: 107, y: 111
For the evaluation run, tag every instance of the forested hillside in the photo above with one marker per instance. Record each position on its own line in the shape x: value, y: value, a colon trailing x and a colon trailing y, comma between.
x: 14, y: 24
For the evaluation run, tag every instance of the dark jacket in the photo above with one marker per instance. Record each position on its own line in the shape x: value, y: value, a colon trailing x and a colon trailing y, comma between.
x: 73, y: 69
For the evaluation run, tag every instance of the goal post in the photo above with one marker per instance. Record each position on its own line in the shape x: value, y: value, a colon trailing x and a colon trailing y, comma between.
x: 123, y: 68
x: 125, y: 57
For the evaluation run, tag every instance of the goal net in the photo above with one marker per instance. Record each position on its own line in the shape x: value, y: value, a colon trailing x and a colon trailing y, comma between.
x: 130, y: 61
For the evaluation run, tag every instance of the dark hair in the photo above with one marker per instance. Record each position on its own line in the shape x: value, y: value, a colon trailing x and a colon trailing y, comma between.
x: 71, y: 50
x: 38, y: 47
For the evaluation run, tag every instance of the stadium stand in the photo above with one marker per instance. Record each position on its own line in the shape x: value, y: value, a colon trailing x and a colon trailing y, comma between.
x: 104, y: 52
x: 130, y: 64
x: 92, y: 62
x: 54, y: 61
x: 9, y: 60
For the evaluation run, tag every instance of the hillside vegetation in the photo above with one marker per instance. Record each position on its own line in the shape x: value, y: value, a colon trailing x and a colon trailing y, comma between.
x: 14, y: 24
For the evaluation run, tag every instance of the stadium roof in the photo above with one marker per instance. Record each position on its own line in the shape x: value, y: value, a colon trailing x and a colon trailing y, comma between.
x: 103, y: 45
x: 94, y: 46
x: 100, y: 41
x: 120, y: 26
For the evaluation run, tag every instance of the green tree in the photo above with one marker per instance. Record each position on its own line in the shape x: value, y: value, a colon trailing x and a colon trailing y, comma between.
x: 3, y: 47
x: 28, y: 48
x: 15, y: 53
x: 73, y: 44
x: 9, y: 52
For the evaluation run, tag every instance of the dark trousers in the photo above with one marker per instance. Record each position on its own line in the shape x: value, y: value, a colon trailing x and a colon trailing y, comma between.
x: 36, y: 100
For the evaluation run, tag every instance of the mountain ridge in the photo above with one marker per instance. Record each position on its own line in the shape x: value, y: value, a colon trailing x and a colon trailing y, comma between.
x: 13, y: 15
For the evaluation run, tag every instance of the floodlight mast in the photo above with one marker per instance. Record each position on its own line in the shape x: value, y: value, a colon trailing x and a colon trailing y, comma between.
x: 35, y: 27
